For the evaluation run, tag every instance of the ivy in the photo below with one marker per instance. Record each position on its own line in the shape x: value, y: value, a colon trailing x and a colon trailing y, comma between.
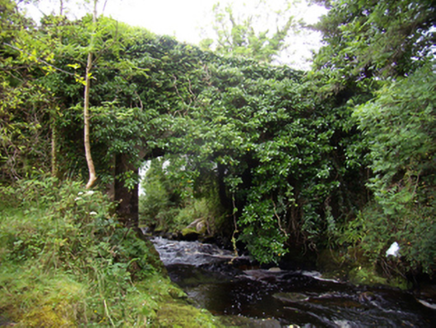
x: 342, y: 154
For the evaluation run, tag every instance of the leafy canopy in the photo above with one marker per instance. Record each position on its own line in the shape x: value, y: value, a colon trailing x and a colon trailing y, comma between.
x: 240, y: 30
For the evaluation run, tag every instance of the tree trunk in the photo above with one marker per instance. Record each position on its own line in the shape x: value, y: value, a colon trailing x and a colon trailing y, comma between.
x: 225, y: 200
x: 89, y: 161
x: 127, y: 198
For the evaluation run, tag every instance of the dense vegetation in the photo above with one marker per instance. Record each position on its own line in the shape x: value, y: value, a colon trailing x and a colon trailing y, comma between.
x: 341, y: 157
x: 67, y: 262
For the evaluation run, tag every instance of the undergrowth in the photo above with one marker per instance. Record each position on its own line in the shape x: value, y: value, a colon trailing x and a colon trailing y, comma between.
x: 67, y: 262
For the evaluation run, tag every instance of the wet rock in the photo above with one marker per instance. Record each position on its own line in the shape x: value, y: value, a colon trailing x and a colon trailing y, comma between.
x: 274, y: 269
x: 426, y: 295
x: 263, y: 275
x: 427, y: 304
x: 245, y: 322
x: 317, y: 276
x: 291, y: 297
x: 366, y: 297
x: 189, y: 235
x: 199, y: 226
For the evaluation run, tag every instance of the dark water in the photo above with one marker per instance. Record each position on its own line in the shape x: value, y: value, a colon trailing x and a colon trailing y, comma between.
x: 279, y: 298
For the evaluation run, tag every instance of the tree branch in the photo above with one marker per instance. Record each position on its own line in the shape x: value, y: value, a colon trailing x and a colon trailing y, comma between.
x: 38, y: 59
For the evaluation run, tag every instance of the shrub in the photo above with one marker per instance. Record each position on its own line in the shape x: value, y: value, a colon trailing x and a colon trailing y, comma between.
x: 399, y: 128
x: 66, y: 260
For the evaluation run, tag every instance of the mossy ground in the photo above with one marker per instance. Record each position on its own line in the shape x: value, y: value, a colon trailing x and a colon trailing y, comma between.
x: 180, y: 314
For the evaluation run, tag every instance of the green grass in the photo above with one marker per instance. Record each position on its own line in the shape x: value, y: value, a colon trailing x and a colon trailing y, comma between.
x: 67, y: 262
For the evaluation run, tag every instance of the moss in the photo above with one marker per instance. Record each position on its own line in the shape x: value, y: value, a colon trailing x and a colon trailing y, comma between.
x: 48, y: 316
x: 197, y: 227
x: 369, y: 276
x: 178, y: 314
x: 189, y: 231
x: 365, y: 276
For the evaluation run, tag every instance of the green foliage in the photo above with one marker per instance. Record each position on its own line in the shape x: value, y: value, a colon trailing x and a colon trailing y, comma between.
x: 265, y: 244
x: 24, y: 105
x: 171, y: 201
x: 66, y: 261
x: 399, y: 127
x: 281, y: 151
x: 352, y: 233
x: 378, y: 59
x: 276, y: 158
x: 24, y: 129
x: 236, y: 33
x: 161, y: 201
x: 367, y: 39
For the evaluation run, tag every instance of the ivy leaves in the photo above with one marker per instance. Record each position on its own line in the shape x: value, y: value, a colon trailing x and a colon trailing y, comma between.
x: 274, y: 149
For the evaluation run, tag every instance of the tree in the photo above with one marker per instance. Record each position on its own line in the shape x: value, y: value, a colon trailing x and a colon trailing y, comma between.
x: 86, y: 120
x: 238, y: 32
x: 375, y: 39
x: 94, y: 43
x: 399, y: 127
x: 24, y: 102
x: 385, y: 50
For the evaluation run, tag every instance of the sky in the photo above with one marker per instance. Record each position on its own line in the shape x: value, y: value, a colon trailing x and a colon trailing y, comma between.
x: 184, y: 19
x: 180, y: 18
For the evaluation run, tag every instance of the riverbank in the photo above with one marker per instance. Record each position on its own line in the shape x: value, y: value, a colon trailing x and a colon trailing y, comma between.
x: 67, y: 262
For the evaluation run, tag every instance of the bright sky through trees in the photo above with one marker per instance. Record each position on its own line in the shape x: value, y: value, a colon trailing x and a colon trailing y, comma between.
x: 186, y: 19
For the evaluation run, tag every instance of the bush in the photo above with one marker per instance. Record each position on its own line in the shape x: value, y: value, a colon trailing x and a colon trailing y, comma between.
x: 66, y: 260
x: 399, y: 128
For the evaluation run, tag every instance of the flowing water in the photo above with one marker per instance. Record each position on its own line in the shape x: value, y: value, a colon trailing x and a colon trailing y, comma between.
x: 280, y: 298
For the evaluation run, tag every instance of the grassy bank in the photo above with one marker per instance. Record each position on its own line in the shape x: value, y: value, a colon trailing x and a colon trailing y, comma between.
x: 67, y: 262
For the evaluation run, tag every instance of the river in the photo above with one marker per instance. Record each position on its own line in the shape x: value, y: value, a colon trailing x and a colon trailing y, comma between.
x: 280, y: 298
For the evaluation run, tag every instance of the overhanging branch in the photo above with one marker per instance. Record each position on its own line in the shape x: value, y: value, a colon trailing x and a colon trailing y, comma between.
x: 38, y: 59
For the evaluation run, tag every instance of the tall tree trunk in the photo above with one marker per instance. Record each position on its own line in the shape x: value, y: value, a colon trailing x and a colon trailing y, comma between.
x: 89, y: 161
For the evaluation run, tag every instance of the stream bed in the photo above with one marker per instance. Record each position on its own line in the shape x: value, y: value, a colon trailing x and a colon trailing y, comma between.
x: 280, y: 298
